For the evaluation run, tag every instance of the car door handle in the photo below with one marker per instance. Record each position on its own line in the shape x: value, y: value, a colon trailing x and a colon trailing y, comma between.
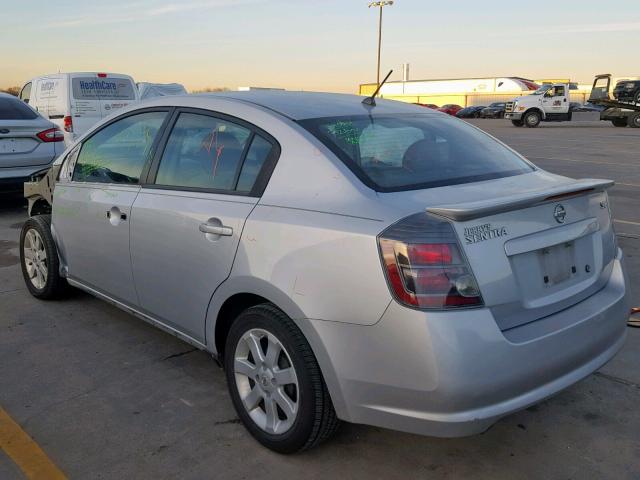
x: 216, y: 229
x: 123, y: 216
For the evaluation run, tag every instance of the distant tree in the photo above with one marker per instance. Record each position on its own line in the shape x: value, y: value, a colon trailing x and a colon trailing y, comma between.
x: 12, y: 91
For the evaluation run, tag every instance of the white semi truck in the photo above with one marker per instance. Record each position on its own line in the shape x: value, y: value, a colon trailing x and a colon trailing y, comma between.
x: 551, y: 103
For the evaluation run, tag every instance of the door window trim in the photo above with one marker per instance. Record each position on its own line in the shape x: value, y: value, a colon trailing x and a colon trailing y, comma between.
x: 262, y: 179
x: 169, y: 110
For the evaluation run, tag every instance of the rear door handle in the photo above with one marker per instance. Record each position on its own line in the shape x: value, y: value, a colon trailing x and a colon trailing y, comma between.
x: 114, y: 215
x: 216, y: 229
x: 123, y: 216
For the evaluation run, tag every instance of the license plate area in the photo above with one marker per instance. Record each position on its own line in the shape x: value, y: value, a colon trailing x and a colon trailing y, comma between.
x: 558, y: 263
x: 551, y: 274
x: 16, y: 145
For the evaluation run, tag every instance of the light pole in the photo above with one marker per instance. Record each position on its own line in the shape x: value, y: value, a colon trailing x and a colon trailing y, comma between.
x: 380, y: 5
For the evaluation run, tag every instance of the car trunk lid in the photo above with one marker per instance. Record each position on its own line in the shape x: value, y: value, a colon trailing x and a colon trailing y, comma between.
x: 536, y: 252
x: 18, y: 139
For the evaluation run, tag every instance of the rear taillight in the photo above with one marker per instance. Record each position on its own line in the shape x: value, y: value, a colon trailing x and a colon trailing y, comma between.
x: 51, y: 135
x: 424, y: 265
x: 68, y: 124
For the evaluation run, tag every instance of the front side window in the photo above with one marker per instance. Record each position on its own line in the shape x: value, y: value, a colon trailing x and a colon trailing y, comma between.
x: 118, y: 152
x: 206, y: 152
x: 409, y: 152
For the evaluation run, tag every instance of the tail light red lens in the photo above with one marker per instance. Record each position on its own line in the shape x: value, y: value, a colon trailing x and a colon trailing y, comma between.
x: 68, y: 124
x: 425, y: 266
x: 51, y: 135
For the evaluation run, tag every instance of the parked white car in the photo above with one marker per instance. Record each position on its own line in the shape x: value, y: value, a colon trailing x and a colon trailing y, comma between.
x: 149, y: 90
x: 77, y: 101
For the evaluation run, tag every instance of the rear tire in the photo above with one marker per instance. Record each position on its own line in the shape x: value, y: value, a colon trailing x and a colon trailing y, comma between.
x: 258, y: 387
x: 636, y: 97
x: 532, y: 119
x: 619, y: 122
x: 634, y: 120
x: 517, y: 123
x: 39, y: 259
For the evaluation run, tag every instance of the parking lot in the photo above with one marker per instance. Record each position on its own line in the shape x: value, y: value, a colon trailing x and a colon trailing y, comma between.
x: 107, y: 396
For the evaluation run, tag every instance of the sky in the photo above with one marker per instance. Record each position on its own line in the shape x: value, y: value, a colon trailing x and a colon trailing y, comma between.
x: 327, y: 45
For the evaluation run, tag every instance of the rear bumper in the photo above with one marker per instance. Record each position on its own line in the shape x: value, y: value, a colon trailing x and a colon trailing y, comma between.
x: 455, y: 373
x: 20, y: 174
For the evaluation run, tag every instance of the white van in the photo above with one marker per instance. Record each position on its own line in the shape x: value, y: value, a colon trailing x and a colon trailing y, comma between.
x: 77, y: 101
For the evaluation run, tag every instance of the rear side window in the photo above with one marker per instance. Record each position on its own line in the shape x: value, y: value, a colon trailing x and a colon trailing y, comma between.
x: 118, y: 152
x: 205, y: 152
x: 13, y: 109
x: 256, y: 158
x: 92, y: 88
x: 408, y: 152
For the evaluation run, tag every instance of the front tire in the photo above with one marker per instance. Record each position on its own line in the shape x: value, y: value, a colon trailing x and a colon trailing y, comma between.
x: 275, y: 382
x: 39, y: 259
x: 517, y: 123
x: 619, y: 122
x: 532, y: 119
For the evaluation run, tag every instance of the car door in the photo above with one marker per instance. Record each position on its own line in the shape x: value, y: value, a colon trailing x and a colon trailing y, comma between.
x: 92, y: 202
x: 187, y: 221
x: 555, y: 100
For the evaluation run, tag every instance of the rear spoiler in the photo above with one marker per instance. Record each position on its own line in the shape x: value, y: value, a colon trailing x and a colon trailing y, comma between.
x: 461, y: 212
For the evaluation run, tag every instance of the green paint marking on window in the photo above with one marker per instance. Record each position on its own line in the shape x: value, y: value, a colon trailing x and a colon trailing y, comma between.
x: 346, y: 132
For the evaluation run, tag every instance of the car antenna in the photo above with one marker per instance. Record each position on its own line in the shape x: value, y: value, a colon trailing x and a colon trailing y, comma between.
x: 372, y: 99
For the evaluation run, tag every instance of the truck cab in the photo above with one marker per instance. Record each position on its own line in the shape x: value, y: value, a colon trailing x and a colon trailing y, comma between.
x: 550, y: 103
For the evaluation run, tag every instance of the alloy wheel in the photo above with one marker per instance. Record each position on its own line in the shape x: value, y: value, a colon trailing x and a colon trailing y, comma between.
x: 35, y: 259
x: 266, y: 381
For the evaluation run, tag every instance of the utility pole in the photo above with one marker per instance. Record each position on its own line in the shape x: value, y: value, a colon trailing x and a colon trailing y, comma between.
x: 380, y: 5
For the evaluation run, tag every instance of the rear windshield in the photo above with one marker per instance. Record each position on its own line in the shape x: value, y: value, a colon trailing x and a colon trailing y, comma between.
x: 410, y: 152
x: 92, y: 88
x: 15, y: 109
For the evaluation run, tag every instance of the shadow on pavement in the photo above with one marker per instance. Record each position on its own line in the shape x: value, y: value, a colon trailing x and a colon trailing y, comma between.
x: 11, y: 200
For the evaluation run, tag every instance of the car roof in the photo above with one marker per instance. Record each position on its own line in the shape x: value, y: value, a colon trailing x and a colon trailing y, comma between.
x: 304, y: 105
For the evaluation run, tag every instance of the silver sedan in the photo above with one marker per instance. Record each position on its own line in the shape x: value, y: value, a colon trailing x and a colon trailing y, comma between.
x: 28, y: 142
x: 381, y: 264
